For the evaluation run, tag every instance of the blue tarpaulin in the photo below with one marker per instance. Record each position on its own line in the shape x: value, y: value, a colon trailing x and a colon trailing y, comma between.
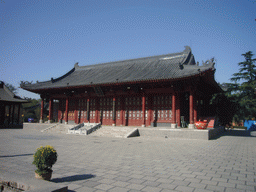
x: 250, y: 124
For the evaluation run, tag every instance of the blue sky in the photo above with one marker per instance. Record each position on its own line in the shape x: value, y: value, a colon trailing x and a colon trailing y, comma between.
x: 40, y: 39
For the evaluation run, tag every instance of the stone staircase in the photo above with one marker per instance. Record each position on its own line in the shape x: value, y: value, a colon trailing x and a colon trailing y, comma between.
x: 36, y: 126
x: 59, y: 128
x: 84, y: 128
x: 113, y: 131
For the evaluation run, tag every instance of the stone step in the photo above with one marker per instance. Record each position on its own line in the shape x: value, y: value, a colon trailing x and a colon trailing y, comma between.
x: 36, y: 126
x: 60, y: 128
x: 113, y: 131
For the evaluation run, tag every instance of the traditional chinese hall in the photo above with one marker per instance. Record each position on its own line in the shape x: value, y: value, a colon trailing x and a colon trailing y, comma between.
x: 158, y: 91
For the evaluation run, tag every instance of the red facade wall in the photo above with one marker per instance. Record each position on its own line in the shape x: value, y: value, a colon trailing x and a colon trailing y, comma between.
x: 126, y: 111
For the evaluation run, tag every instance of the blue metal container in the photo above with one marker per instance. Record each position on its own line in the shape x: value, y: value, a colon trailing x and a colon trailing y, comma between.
x: 250, y: 124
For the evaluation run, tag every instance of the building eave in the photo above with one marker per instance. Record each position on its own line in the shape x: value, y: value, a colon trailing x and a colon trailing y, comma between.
x: 40, y: 91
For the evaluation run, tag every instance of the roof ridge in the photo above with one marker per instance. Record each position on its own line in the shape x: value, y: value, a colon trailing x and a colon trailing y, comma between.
x: 135, y: 59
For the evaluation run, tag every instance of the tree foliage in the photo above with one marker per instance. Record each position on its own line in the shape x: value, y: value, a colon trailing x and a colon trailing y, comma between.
x: 242, y: 90
x: 32, y: 109
x: 11, y: 88
x: 225, y: 108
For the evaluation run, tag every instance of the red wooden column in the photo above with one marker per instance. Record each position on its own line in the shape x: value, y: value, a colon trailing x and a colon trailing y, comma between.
x: 76, y: 111
x: 143, y: 110
x: 66, y: 112
x: 122, y: 110
x: 195, y: 110
x: 50, y: 110
x: 60, y: 115
x: 97, y: 106
x: 88, y: 110
x: 178, y: 110
x: 149, y: 110
x: 114, y: 112
x: 191, y: 110
x: 174, y: 124
x: 42, y: 111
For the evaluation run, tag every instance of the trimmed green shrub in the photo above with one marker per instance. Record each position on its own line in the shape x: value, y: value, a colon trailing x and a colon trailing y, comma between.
x: 44, y: 159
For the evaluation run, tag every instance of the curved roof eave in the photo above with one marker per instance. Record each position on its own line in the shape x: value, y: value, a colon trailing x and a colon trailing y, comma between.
x: 164, y: 67
x: 119, y: 83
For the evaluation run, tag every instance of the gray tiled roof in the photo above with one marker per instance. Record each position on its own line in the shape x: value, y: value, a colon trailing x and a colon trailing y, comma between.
x: 169, y: 66
x: 8, y: 96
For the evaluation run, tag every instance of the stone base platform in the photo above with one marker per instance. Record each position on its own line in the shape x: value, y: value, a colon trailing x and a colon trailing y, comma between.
x: 182, y: 133
x: 127, y: 131
x: 18, y: 182
x: 158, y: 132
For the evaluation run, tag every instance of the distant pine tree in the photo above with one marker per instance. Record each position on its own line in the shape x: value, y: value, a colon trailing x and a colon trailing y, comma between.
x: 243, y: 89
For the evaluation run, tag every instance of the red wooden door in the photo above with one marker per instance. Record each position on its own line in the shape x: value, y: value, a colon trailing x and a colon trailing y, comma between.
x: 162, y: 108
x: 62, y: 108
x: 119, y: 111
x: 148, y: 112
x: 106, y: 111
x: 133, y: 111
x: 71, y: 109
x: 82, y: 112
x: 93, y: 111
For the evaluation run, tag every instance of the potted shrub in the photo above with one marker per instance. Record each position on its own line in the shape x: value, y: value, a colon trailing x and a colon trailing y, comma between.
x: 44, y: 158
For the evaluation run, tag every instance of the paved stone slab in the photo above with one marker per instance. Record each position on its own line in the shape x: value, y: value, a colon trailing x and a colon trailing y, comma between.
x: 151, y: 189
x: 135, y: 186
x: 184, y: 189
x: 136, y: 164
x: 104, y: 187
x: 118, y: 189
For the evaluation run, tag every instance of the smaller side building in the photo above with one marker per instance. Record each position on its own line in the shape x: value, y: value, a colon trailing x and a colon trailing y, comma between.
x: 10, y: 108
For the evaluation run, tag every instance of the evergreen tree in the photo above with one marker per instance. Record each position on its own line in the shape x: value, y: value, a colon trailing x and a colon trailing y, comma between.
x: 243, y: 89
x: 11, y: 88
x: 224, y: 106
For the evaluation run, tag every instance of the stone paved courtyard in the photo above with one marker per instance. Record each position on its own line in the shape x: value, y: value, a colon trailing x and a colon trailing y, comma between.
x: 90, y: 163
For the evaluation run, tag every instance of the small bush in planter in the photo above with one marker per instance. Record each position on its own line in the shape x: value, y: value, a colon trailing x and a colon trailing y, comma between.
x: 44, y: 158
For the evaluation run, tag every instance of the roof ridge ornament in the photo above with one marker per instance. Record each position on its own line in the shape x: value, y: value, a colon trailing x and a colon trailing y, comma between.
x: 76, y: 65
x: 187, y: 49
x: 25, y: 83
x: 209, y: 62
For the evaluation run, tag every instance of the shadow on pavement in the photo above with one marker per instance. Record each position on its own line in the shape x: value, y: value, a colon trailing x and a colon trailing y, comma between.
x: 72, y: 178
x: 16, y: 155
x: 19, y: 127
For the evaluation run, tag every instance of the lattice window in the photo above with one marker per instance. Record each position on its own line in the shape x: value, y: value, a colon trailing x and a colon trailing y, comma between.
x: 162, y: 105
